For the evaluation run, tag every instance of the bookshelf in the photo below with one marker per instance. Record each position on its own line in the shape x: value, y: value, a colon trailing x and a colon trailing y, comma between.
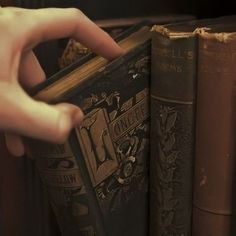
x: 24, y: 215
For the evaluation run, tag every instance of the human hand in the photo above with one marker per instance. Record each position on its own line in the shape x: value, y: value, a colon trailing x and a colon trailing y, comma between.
x: 21, y: 31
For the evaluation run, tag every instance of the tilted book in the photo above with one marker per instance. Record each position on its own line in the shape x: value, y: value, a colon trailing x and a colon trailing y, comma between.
x: 98, y: 181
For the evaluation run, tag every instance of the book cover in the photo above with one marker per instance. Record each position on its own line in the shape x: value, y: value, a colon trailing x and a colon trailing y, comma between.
x: 98, y: 181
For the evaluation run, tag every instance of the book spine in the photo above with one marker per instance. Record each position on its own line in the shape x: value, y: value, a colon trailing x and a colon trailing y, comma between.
x: 5, y: 3
x: 214, y: 178
x: 172, y: 130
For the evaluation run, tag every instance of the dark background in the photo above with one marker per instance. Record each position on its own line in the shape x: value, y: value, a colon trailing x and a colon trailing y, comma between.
x: 98, y: 9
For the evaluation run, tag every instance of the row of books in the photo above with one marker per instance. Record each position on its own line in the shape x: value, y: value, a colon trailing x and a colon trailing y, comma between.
x: 155, y: 153
x: 193, y: 111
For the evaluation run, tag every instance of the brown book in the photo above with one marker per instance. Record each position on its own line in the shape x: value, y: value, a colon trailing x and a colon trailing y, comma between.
x: 215, y: 166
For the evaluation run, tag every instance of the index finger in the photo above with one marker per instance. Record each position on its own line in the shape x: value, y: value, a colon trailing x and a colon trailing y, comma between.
x: 53, y: 23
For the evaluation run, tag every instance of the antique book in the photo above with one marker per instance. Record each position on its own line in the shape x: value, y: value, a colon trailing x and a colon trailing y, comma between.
x: 173, y: 102
x: 114, y: 27
x: 173, y: 83
x: 98, y: 181
x: 214, y: 210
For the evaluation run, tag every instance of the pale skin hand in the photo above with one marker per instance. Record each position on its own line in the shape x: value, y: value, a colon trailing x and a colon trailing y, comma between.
x: 21, y: 31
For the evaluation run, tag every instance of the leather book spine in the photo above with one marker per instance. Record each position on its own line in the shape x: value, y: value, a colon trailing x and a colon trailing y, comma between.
x: 173, y: 80
x: 214, y: 180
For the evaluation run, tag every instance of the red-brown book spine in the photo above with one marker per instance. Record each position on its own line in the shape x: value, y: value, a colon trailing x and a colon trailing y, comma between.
x: 215, y: 166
